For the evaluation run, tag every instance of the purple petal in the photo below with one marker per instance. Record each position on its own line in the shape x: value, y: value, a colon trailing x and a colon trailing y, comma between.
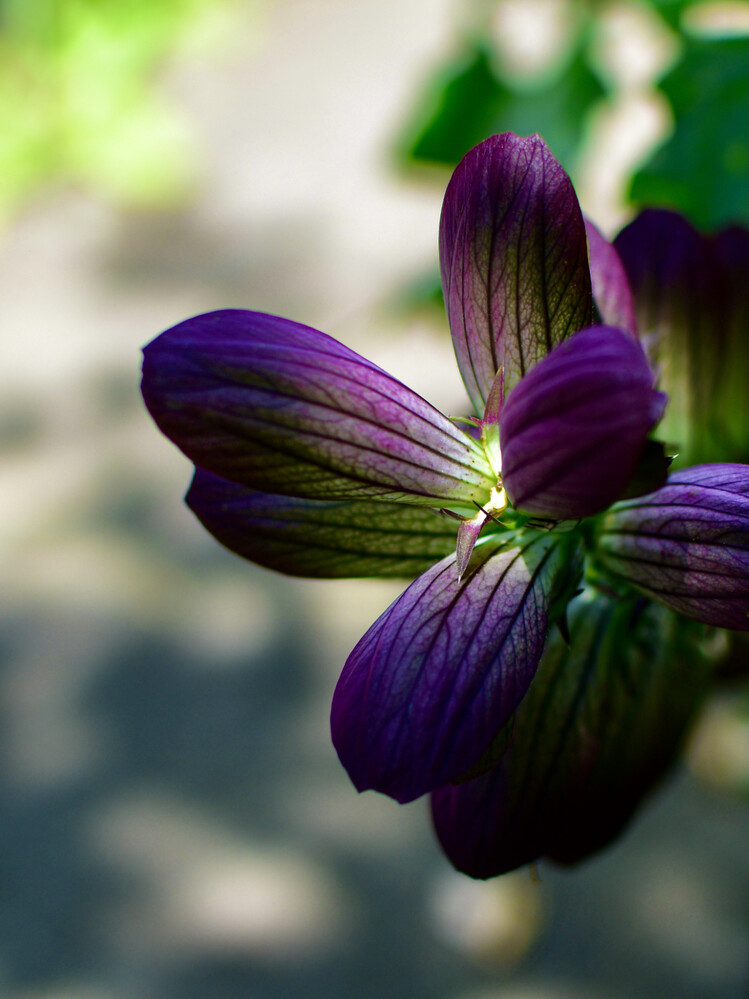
x: 285, y: 409
x: 611, y: 291
x: 729, y: 410
x: 514, y: 260
x: 323, y: 539
x: 573, y: 430
x: 602, y: 723
x: 687, y: 544
x: 680, y: 302
x: 428, y: 686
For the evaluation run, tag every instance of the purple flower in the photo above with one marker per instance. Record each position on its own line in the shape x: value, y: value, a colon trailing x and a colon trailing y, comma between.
x: 313, y: 461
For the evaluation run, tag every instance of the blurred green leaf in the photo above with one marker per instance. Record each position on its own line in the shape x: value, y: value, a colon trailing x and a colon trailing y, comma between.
x: 78, y: 100
x: 703, y: 169
x: 468, y: 101
x: 456, y: 110
x: 671, y: 10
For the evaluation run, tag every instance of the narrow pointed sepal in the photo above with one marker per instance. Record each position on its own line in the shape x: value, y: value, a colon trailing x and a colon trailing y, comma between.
x: 573, y: 430
x: 514, y: 260
x: 601, y: 724
x: 611, y: 292
x: 468, y: 534
x: 427, y: 688
x: 315, y: 538
x: 687, y: 544
x: 284, y: 409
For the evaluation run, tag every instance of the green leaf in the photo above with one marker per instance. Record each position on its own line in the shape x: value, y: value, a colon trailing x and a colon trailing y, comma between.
x: 671, y: 10
x: 703, y: 169
x: 468, y: 101
x: 456, y: 111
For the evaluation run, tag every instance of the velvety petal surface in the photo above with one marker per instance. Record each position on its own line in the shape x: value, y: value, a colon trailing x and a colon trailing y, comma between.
x: 681, y: 305
x: 573, y: 430
x: 687, y: 544
x: 611, y: 292
x: 426, y: 689
x: 514, y: 260
x: 285, y: 409
x: 316, y: 538
x: 600, y: 725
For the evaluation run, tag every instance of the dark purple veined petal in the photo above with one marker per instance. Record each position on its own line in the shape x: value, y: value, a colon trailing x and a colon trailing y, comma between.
x: 322, y: 539
x: 601, y: 724
x: 680, y: 303
x: 514, y: 260
x: 426, y: 689
x: 284, y: 409
x: 687, y: 544
x: 573, y: 430
x: 611, y: 291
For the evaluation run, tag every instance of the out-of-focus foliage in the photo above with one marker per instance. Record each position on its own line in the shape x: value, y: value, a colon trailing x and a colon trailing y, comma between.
x: 79, y: 101
x: 671, y: 10
x: 470, y: 100
x: 701, y: 171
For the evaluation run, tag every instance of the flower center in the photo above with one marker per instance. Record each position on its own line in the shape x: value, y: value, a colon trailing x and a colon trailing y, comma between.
x: 470, y: 528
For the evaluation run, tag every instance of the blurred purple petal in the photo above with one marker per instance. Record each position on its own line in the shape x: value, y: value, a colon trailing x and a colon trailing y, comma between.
x: 322, y: 539
x: 611, y: 291
x: 285, y: 409
x: 687, y: 545
x: 601, y: 724
x: 426, y: 689
x: 681, y: 310
x: 514, y: 260
x: 730, y: 404
x: 573, y: 430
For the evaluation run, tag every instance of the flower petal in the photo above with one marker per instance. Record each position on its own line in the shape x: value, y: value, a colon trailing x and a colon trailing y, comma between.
x: 514, y: 260
x: 611, y: 291
x: 322, y: 539
x: 687, y: 544
x: 600, y: 725
x: 681, y: 314
x: 428, y: 686
x: 573, y: 430
x: 285, y: 409
x: 729, y: 409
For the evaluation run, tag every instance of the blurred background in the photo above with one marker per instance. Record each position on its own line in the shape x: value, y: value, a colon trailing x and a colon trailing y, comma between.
x: 174, y: 823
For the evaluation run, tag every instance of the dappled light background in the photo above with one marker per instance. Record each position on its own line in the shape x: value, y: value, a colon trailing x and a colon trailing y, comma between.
x: 174, y: 823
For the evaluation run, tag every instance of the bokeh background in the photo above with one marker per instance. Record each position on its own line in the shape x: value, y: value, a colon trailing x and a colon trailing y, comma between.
x: 174, y: 823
